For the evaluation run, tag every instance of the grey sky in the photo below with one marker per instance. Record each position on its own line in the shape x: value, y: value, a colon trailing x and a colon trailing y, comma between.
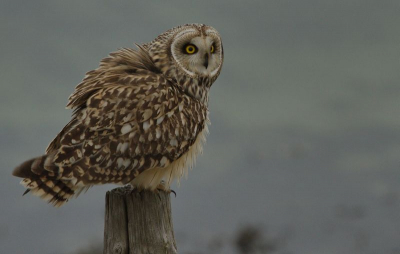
x: 305, y: 119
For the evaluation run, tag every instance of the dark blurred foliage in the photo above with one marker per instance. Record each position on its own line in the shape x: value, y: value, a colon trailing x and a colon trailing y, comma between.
x: 249, y: 239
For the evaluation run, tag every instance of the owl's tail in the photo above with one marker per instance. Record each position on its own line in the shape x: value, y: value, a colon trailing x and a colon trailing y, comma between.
x: 43, y: 181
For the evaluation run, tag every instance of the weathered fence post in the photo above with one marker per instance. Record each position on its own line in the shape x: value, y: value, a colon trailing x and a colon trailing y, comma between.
x: 138, y: 223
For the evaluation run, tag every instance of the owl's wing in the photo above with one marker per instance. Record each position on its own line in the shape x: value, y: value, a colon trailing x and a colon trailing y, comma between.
x: 131, y: 124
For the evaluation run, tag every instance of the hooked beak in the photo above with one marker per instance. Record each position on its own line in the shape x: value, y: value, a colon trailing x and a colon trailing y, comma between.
x: 206, y: 60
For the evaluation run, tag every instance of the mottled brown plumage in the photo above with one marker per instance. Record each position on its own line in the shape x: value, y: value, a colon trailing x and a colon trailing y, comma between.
x: 141, y: 118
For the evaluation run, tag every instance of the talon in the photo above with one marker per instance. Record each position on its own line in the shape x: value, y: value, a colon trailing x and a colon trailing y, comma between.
x: 140, y: 192
x: 161, y: 187
x: 135, y: 190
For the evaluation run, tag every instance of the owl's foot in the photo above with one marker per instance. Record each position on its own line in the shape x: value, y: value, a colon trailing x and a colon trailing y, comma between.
x: 138, y: 191
x: 162, y: 187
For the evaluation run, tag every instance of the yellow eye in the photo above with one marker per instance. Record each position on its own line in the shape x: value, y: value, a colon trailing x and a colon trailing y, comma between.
x: 190, y: 49
x: 212, y: 49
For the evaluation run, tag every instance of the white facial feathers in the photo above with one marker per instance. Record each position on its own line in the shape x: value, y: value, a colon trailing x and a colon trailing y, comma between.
x: 205, y: 56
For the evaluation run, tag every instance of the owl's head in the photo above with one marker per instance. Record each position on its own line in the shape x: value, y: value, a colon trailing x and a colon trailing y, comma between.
x: 197, y: 50
x: 192, y: 50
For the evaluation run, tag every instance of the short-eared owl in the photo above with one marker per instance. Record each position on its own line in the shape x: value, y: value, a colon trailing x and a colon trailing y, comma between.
x: 141, y: 118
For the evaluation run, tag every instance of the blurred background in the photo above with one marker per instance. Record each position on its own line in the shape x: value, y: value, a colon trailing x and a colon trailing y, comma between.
x: 303, y: 151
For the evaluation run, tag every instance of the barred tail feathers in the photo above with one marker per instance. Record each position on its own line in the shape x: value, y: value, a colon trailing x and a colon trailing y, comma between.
x: 41, y: 180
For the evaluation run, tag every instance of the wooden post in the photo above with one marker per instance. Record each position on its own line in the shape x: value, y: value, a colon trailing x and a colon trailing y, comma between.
x: 138, y: 223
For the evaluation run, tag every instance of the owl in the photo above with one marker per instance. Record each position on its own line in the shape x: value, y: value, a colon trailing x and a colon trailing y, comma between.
x: 140, y: 118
